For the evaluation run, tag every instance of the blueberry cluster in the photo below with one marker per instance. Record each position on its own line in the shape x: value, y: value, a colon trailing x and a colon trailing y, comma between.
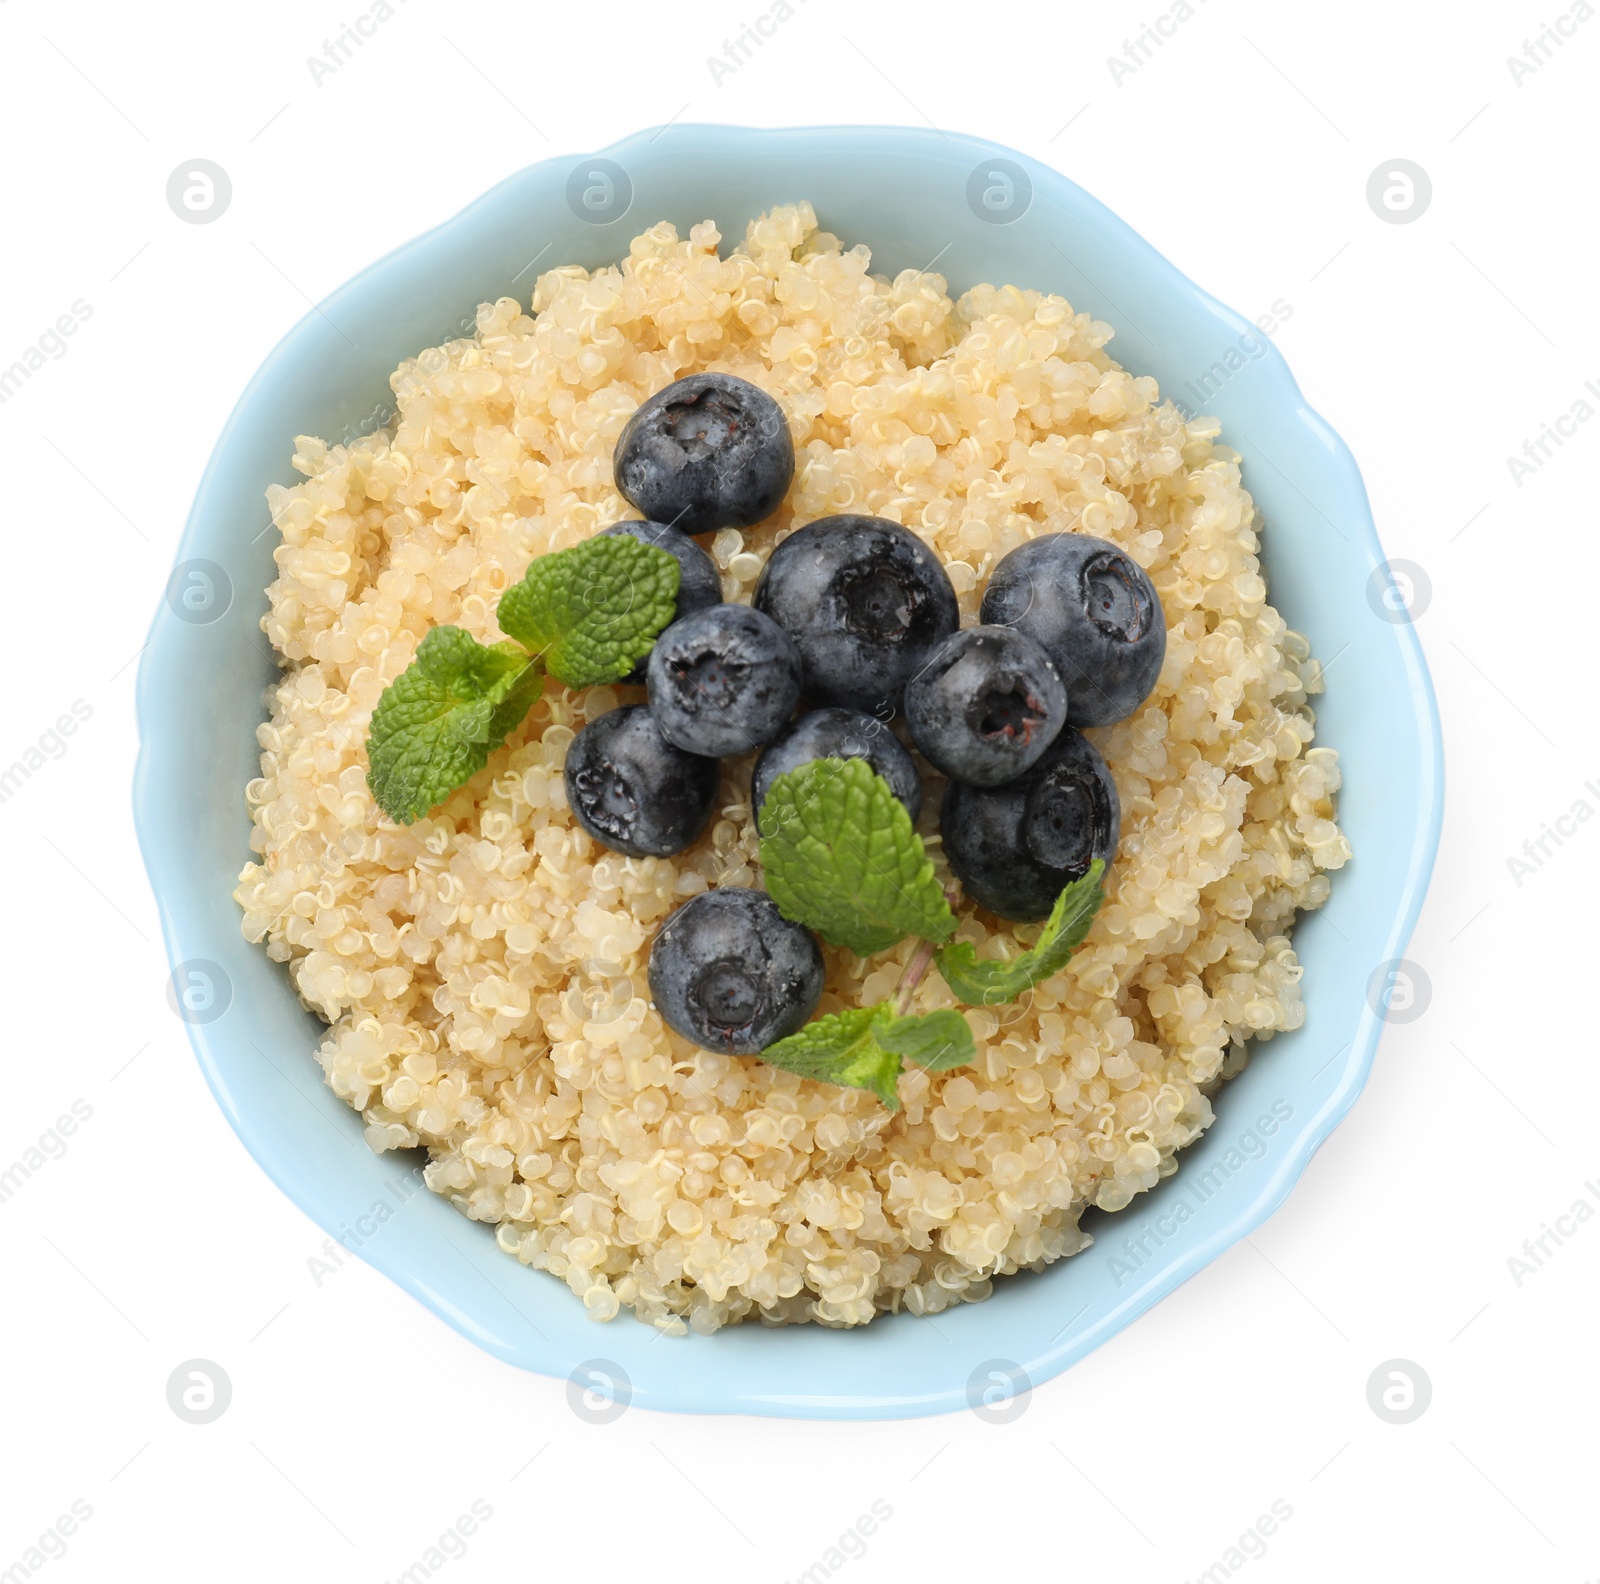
x: 708, y: 452
x: 855, y: 618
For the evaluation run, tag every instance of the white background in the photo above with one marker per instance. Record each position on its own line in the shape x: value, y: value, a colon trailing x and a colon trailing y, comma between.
x: 360, y: 1426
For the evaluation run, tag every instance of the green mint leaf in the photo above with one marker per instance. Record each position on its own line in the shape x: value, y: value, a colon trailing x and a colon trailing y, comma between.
x: 592, y: 613
x: 937, y: 1041
x: 990, y: 983
x: 438, y: 721
x: 840, y: 856
x: 863, y: 1048
x: 840, y: 1049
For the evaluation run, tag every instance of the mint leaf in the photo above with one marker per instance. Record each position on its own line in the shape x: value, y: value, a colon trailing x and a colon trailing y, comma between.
x: 863, y: 1047
x: 990, y: 983
x: 840, y: 1049
x: 438, y: 721
x: 935, y: 1040
x: 592, y: 612
x: 840, y: 856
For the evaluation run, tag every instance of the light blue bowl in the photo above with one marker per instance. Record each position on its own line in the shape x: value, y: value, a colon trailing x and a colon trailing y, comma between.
x: 906, y: 194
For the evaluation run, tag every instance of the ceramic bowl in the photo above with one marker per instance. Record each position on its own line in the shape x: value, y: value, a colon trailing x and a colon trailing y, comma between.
x: 917, y: 198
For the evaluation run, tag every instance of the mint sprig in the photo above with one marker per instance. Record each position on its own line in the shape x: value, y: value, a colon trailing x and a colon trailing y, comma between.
x: 865, y: 1047
x: 840, y: 855
x: 586, y: 615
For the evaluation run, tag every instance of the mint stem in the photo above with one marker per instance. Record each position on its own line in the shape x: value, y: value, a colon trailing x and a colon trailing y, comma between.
x: 921, y: 960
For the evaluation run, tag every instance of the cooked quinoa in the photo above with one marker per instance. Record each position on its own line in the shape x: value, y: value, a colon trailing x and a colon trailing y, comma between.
x: 483, y: 970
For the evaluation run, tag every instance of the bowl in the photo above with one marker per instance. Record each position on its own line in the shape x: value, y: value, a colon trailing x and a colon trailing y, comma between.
x: 982, y: 213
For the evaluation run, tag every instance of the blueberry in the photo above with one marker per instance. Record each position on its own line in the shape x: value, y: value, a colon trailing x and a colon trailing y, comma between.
x: 699, y: 582
x: 1015, y: 847
x: 632, y: 790
x: 723, y: 680
x: 729, y: 972
x: 839, y: 734
x: 985, y: 705
x: 709, y: 451
x: 865, y: 600
x: 1094, y: 611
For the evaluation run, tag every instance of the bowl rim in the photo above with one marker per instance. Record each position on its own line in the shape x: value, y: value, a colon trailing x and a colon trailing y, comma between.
x: 1307, y: 1138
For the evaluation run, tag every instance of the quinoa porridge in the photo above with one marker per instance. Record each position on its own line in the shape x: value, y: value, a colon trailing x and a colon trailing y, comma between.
x: 483, y: 970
